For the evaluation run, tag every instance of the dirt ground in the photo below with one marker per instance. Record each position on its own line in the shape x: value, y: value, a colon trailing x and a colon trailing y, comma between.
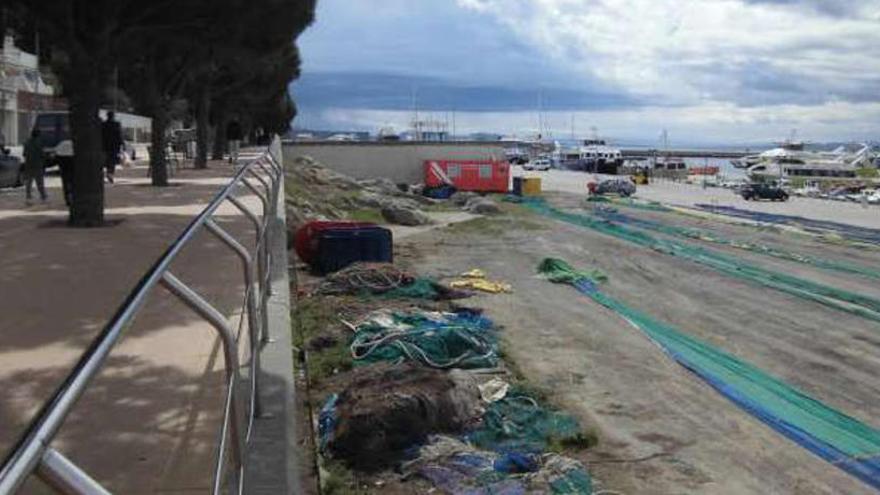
x: 662, y: 430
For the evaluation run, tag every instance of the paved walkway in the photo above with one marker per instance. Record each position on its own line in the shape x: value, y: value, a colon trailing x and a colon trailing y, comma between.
x: 149, y: 422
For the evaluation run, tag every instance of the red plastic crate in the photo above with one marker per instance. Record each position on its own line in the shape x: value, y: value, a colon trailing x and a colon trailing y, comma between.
x: 469, y: 175
x: 306, y: 238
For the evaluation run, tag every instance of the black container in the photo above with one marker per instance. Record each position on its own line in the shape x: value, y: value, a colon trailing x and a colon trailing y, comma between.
x: 338, y: 248
x: 517, y: 186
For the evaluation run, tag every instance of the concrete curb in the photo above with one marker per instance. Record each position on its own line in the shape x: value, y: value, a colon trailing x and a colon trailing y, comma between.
x: 273, y: 450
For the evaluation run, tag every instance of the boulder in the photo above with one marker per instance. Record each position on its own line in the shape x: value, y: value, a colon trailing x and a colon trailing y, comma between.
x: 381, y: 186
x: 400, y: 214
x: 482, y: 206
x: 461, y: 198
x: 372, y: 200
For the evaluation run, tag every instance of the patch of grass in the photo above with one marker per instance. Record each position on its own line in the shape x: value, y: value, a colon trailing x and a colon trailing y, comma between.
x: 313, y: 317
x: 441, y: 207
x: 584, y: 440
x: 336, y: 479
x: 309, y: 318
x: 482, y: 225
x: 329, y: 361
x: 367, y: 215
x: 531, y: 225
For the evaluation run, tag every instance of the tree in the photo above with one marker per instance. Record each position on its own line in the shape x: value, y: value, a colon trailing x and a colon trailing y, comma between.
x: 160, y: 48
x: 254, y: 58
x: 82, y: 37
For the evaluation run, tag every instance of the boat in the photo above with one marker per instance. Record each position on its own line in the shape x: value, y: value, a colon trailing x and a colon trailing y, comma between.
x: 669, y: 163
x: 593, y: 155
x: 784, y: 150
x: 666, y: 161
x: 813, y: 165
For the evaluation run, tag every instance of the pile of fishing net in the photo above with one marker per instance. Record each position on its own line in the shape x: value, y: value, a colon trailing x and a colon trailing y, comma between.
x: 386, y: 280
x: 464, y: 339
x: 459, y: 468
x: 518, y: 423
x: 385, y: 410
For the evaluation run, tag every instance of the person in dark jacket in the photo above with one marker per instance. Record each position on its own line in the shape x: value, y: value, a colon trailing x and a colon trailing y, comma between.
x: 234, y: 136
x: 111, y: 134
x: 34, y: 166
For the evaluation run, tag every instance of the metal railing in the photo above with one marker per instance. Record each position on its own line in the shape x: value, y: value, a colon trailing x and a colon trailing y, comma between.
x: 34, y: 453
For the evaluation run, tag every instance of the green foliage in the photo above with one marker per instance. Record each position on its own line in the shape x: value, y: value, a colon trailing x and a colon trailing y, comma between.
x: 336, y: 479
x: 314, y: 317
x: 366, y: 215
x: 868, y: 173
x: 582, y: 440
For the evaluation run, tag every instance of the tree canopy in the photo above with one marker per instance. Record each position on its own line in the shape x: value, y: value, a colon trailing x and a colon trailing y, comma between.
x: 223, y: 57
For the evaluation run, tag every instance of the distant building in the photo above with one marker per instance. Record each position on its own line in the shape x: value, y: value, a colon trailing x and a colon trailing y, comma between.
x: 338, y: 136
x: 427, y: 130
x: 485, y: 136
x: 23, y: 93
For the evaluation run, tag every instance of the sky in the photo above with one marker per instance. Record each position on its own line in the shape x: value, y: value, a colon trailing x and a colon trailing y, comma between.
x: 708, y: 71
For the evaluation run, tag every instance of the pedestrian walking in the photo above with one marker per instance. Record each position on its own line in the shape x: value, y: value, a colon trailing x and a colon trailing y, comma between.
x: 34, y: 166
x: 111, y: 138
x: 233, y: 138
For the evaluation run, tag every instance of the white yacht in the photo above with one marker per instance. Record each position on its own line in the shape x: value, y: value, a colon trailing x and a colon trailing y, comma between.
x: 836, y: 164
x: 788, y: 149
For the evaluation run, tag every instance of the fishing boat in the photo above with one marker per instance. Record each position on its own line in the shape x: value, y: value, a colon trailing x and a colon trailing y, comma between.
x: 593, y: 155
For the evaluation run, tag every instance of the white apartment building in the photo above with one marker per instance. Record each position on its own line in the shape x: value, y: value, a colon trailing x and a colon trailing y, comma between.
x: 23, y: 93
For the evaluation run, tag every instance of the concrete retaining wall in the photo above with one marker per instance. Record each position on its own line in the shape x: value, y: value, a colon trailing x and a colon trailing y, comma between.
x: 398, y: 161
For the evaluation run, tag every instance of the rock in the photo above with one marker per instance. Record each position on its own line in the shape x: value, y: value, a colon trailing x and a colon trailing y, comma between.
x: 417, y: 189
x: 372, y: 200
x: 399, y: 214
x: 381, y: 186
x: 461, y: 198
x: 482, y: 206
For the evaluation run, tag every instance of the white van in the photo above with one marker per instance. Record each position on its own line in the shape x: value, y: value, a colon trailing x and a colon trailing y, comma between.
x: 55, y: 133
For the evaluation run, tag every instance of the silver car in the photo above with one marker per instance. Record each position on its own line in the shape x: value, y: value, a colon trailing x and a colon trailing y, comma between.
x: 10, y: 171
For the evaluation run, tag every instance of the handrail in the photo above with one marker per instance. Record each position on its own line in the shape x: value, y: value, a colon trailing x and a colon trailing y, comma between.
x: 34, y: 454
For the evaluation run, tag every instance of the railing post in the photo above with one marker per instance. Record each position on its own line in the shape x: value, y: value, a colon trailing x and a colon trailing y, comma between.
x: 253, y: 330
x: 230, y: 350
x: 65, y: 477
x: 265, y: 257
x: 262, y: 262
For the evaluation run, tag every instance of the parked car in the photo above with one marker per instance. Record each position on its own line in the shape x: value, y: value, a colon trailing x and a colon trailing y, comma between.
x: 538, y: 164
x: 763, y: 191
x: 10, y: 171
x: 623, y: 187
x: 874, y: 198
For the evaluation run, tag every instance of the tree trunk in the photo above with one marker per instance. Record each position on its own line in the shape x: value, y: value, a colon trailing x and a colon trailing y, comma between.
x: 219, y: 139
x: 203, y: 110
x: 158, y: 164
x: 87, y: 207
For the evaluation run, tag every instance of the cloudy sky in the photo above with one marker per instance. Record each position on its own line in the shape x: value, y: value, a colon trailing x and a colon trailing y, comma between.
x: 709, y: 71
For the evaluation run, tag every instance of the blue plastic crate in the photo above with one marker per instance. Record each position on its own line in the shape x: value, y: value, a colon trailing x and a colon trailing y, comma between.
x: 338, y: 248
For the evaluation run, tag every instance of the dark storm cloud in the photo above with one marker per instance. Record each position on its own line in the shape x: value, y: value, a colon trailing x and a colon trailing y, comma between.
x: 758, y: 83
x: 376, y: 91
